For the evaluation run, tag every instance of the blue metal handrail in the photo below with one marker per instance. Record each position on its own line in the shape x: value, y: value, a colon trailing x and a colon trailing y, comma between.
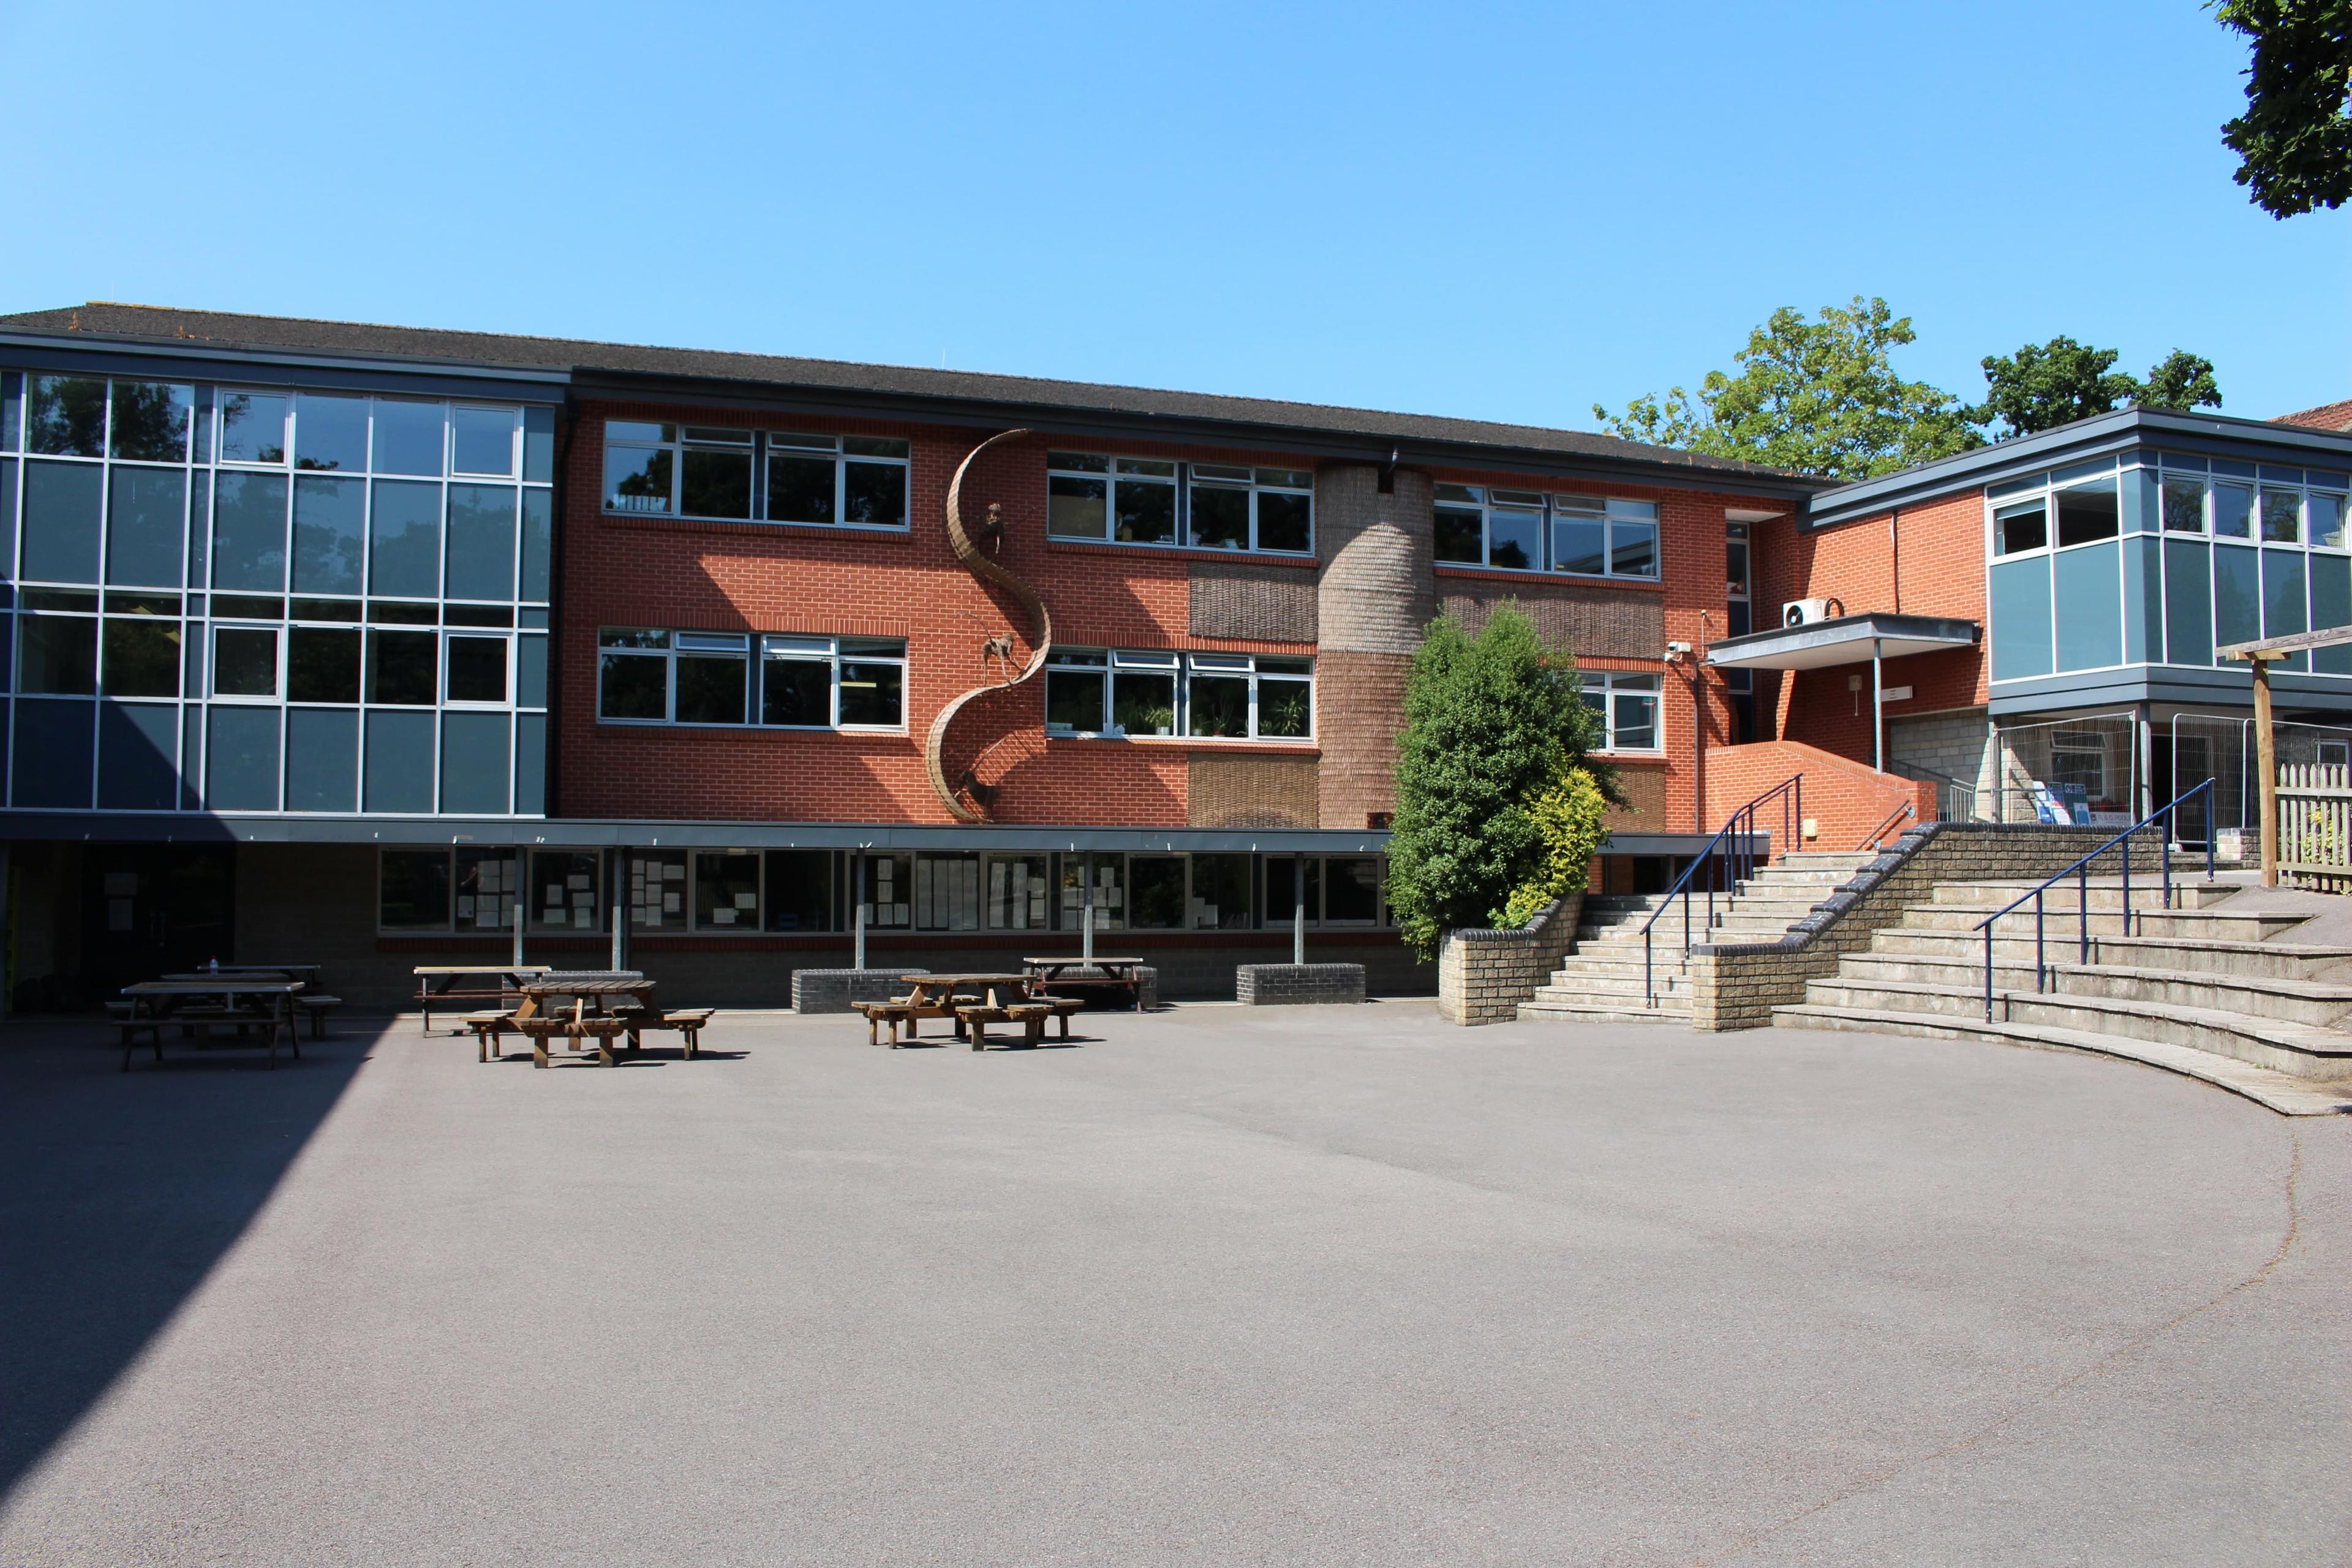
x: 1734, y: 845
x: 2080, y: 871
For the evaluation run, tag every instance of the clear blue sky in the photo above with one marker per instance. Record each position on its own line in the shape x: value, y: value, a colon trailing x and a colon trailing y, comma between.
x: 1500, y: 212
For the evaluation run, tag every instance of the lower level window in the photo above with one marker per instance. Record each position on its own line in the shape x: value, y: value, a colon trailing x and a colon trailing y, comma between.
x: 1627, y: 707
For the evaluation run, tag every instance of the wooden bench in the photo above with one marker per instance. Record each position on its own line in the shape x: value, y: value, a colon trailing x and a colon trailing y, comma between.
x: 688, y: 1021
x: 488, y: 1031
x: 1030, y: 1015
x: 134, y: 1024
x: 901, y: 1010
x: 316, y: 1007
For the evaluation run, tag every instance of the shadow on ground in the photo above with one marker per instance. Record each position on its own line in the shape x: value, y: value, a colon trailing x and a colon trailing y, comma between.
x: 119, y: 1191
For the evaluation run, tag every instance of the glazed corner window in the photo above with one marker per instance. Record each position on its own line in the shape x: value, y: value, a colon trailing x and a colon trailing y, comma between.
x: 1148, y: 500
x: 1209, y: 696
x: 1627, y: 709
x: 1528, y: 530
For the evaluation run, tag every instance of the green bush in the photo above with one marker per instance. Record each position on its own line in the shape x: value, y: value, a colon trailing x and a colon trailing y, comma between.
x: 1571, y: 815
x: 1493, y: 723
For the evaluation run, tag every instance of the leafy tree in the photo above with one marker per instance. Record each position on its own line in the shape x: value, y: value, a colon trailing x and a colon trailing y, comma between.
x: 2041, y: 388
x: 1572, y: 819
x: 2294, y: 140
x: 1491, y: 723
x: 1816, y: 396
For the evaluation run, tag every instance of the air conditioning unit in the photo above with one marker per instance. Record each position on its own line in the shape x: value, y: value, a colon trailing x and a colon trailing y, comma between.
x: 1805, y: 612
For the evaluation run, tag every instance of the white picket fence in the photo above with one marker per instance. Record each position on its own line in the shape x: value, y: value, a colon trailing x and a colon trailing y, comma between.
x: 2314, y: 808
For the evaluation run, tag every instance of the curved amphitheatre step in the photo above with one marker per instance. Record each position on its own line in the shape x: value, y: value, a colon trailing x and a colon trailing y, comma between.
x: 2278, y: 1091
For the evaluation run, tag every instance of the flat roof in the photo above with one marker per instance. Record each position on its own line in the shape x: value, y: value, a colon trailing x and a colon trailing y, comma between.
x: 638, y: 370
x: 1842, y: 639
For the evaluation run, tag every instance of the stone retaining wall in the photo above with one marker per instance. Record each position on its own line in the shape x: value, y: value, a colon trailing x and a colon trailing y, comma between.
x: 1483, y: 975
x: 1736, y: 985
x: 1292, y: 984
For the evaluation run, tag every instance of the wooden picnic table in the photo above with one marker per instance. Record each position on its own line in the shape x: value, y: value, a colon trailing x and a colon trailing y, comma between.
x: 511, y: 979
x: 1118, y: 974
x: 971, y: 1002
x: 276, y: 1017
x: 636, y: 1013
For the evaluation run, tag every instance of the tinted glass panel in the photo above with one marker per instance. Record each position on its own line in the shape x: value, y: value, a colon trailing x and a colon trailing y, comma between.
x: 2237, y: 596
x: 330, y: 432
x: 2184, y: 506
x: 2233, y: 506
x: 401, y: 667
x: 146, y: 520
x: 1284, y: 523
x: 2282, y: 517
x: 538, y: 445
x: 473, y: 763
x: 633, y: 686
x: 2090, y: 632
x: 800, y: 490
x: 871, y: 694
x: 2087, y: 513
x: 637, y: 479
x: 408, y: 437
x: 1514, y: 540
x: 1636, y: 719
x: 322, y: 759
x: 873, y: 494
x: 796, y: 691
x: 399, y: 769
x: 138, y: 768
x: 482, y: 543
x: 66, y: 416
x: 249, y: 531
x: 530, y: 763
x: 1285, y: 708
x: 2326, y: 520
x: 1351, y: 888
x: 62, y: 502
x: 413, y: 889
x: 718, y: 484
x: 710, y: 689
x: 1144, y: 704
x: 1579, y: 546
x: 485, y: 441
x: 1220, y: 893
x: 1220, y: 519
x: 1147, y: 513
x: 531, y: 672
x: 151, y: 421
x: 1220, y: 706
x: 241, y: 758
x: 253, y: 427
x: 142, y: 656
x: 2025, y: 526
x: 244, y: 662
x: 1633, y: 549
x: 2188, y: 603
x: 800, y: 889
x: 538, y: 544
x: 330, y: 517
x: 322, y: 665
x: 1155, y: 892
x: 727, y: 891
x: 477, y: 669
x: 1077, y: 508
x: 1461, y: 537
x: 2331, y: 605
x: 56, y: 653
x: 404, y: 540
x: 2020, y: 618
x: 2285, y: 608
x: 1074, y: 700
x: 52, y: 753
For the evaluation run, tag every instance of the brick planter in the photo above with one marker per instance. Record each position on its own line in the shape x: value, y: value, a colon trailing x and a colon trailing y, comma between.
x: 833, y: 990
x: 1296, y: 984
x: 1483, y: 975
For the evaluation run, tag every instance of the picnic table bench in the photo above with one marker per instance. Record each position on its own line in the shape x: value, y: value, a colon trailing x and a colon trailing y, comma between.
x: 309, y: 1002
x: 632, y: 1011
x: 154, y: 1003
x: 466, y: 982
x: 961, y: 998
x: 1065, y: 974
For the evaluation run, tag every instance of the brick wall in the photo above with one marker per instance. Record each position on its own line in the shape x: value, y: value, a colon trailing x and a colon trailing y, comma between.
x: 1264, y: 604
x: 1296, y: 985
x: 1843, y: 796
x: 1736, y: 986
x: 1251, y: 792
x: 1597, y: 622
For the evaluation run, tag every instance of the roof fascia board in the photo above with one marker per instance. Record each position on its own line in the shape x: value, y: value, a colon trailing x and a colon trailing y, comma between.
x: 2124, y: 430
x: 1052, y: 420
x: 213, y: 361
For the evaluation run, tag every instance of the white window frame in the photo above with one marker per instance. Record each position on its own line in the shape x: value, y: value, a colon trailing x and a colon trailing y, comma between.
x: 759, y: 447
x: 756, y: 648
x: 1550, y: 508
x: 1185, y: 478
x: 1608, y: 684
x: 1107, y: 663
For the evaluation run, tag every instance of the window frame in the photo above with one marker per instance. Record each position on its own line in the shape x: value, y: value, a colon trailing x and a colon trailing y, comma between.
x: 1550, y: 509
x: 762, y: 446
x: 1186, y: 476
x: 757, y: 649
x: 1611, y: 684
x: 1185, y: 665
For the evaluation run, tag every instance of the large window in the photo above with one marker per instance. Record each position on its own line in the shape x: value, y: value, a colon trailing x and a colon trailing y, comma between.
x: 1210, y: 696
x: 2164, y: 558
x: 1532, y: 530
x: 661, y: 677
x: 1153, y: 501
x: 271, y: 599
x: 1627, y: 707
x: 728, y: 474
x: 738, y: 892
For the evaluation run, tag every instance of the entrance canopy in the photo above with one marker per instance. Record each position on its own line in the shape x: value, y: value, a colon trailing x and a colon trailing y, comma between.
x: 1841, y: 640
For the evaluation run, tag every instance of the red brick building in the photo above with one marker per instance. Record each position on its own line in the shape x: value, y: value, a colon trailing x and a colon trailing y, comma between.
x: 733, y: 686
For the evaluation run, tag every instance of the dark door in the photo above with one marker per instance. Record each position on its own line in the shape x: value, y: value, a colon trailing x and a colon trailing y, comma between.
x: 155, y: 909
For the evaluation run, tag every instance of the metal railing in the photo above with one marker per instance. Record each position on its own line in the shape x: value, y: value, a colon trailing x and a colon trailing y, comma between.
x: 2081, y: 871
x: 1731, y: 851
x: 1870, y: 839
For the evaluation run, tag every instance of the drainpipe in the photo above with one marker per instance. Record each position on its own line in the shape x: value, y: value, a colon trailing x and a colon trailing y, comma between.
x: 1877, y: 708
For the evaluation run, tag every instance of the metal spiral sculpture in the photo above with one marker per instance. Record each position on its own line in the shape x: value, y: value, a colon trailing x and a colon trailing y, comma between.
x: 988, y: 573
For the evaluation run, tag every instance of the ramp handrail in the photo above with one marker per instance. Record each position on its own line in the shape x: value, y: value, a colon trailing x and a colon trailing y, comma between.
x: 2080, y: 871
x: 1738, y: 836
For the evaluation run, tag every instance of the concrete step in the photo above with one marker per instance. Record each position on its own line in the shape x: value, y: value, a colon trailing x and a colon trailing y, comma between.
x: 2146, y: 894
x: 2280, y: 1092
x: 2323, y: 1003
x: 1667, y: 1010
x: 2199, y: 924
x: 2299, y: 1050
x: 2246, y: 958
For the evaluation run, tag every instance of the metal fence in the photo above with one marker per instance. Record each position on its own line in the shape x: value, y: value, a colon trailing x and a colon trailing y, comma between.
x: 2224, y: 750
x: 2076, y: 770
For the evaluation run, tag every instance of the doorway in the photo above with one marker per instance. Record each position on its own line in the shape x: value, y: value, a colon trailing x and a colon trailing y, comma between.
x: 155, y: 909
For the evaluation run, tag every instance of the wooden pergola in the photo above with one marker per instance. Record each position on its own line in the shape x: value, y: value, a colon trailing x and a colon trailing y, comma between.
x: 2261, y: 654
